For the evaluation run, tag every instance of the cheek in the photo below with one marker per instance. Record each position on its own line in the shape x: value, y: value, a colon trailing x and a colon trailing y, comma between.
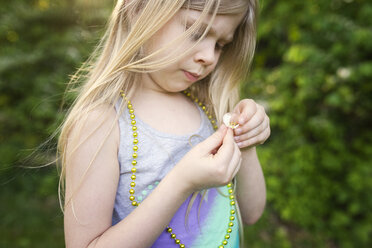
x: 213, y: 66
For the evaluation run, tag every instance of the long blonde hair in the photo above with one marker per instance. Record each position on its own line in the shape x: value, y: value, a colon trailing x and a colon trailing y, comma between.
x: 117, y: 60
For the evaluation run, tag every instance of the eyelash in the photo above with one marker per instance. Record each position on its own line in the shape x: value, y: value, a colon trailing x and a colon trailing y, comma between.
x: 198, y: 35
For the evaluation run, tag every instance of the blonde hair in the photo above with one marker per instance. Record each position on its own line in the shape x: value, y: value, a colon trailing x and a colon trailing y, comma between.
x: 118, y: 59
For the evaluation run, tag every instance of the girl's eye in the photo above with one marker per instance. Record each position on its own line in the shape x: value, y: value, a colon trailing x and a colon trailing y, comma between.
x: 219, y: 46
x: 199, y: 33
x: 196, y: 36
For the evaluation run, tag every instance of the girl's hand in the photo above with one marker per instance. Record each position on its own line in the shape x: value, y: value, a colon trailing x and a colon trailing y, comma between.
x: 203, y: 168
x: 254, y: 124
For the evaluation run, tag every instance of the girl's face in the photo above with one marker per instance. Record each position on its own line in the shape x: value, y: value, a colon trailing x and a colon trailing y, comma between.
x: 200, y: 61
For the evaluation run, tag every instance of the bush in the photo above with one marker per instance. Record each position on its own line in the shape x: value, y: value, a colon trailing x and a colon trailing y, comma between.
x: 313, y: 72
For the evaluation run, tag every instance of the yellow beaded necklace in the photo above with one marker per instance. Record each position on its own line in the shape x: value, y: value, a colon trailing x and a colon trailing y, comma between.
x: 132, y: 197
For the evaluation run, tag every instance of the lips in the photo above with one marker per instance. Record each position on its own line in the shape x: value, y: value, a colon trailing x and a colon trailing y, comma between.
x: 191, y: 76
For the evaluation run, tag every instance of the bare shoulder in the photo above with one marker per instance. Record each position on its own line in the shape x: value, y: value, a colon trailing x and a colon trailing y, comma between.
x: 92, y: 175
x: 95, y: 124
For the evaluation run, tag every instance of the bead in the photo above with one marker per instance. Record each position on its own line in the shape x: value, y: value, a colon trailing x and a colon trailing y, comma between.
x: 230, y: 191
x: 173, y: 236
x: 131, y: 191
x: 232, y: 197
x: 182, y: 246
x: 213, y: 121
x: 131, y: 198
x: 134, y: 155
x: 134, y: 170
x: 133, y: 177
x: 204, y: 108
x: 188, y: 94
x: 130, y: 106
x: 232, y: 203
x: 128, y: 102
x: 227, y: 236
x: 134, y: 128
x: 169, y: 230
x: 232, y: 211
x: 221, y: 246
x: 131, y: 111
x: 229, y: 230
x: 232, y: 218
x: 132, y: 184
x: 231, y: 224
x: 229, y: 185
x: 196, y: 99
x: 135, y: 134
x: 134, y: 203
x: 132, y: 116
x: 200, y: 103
x: 215, y: 127
x: 134, y: 162
x: 133, y: 122
x: 135, y: 148
x: 209, y: 117
x: 178, y: 241
x: 135, y: 141
x: 224, y: 242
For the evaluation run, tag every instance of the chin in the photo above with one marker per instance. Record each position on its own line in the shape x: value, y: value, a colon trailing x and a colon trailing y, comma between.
x: 181, y: 87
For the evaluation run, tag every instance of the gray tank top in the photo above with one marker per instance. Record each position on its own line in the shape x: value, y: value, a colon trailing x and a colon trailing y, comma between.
x: 158, y: 153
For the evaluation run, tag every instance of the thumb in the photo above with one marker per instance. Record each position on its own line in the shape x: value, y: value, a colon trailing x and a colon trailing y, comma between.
x: 213, y: 142
x: 235, y: 114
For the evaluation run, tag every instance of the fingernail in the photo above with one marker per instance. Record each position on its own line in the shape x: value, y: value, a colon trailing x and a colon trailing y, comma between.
x: 238, y: 131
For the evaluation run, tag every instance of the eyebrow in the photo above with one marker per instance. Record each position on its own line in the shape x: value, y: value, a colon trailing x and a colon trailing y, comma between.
x: 191, y: 20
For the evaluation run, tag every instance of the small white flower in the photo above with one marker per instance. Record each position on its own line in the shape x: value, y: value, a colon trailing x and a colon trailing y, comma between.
x: 227, y: 121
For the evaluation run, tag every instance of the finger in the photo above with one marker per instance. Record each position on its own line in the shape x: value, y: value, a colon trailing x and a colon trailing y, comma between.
x: 234, y: 163
x: 257, y: 140
x: 249, y: 110
x: 253, y: 123
x: 243, y: 111
x: 213, y: 142
x: 252, y: 133
x: 226, y: 150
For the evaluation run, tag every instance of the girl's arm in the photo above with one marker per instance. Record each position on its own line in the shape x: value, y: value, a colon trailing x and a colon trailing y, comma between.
x: 251, y: 189
x: 254, y: 129
x: 88, y: 217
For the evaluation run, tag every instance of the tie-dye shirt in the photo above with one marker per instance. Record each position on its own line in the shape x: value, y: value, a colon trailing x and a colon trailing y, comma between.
x: 158, y: 152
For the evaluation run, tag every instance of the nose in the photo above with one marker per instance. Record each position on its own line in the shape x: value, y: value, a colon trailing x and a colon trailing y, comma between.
x: 206, y: 54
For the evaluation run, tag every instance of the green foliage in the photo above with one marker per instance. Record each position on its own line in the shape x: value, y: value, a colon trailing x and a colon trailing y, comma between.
x: 42, y: 42
x: 313, y: 72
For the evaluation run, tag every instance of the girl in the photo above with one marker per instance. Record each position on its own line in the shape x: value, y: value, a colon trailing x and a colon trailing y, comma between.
x: 141, y: 162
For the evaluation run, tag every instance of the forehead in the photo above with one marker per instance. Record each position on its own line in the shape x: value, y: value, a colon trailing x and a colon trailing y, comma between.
x: 223, y: 25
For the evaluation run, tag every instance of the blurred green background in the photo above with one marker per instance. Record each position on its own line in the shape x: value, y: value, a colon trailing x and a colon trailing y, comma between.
x: 312, y: 71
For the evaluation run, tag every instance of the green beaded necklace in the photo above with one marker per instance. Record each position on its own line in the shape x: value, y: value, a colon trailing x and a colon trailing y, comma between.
x: 132, y: 197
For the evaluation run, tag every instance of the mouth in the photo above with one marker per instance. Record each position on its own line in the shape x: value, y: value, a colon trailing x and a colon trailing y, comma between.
x: 193, y: 77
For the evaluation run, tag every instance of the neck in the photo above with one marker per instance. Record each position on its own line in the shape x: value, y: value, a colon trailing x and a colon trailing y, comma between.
x: 151, y: 91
